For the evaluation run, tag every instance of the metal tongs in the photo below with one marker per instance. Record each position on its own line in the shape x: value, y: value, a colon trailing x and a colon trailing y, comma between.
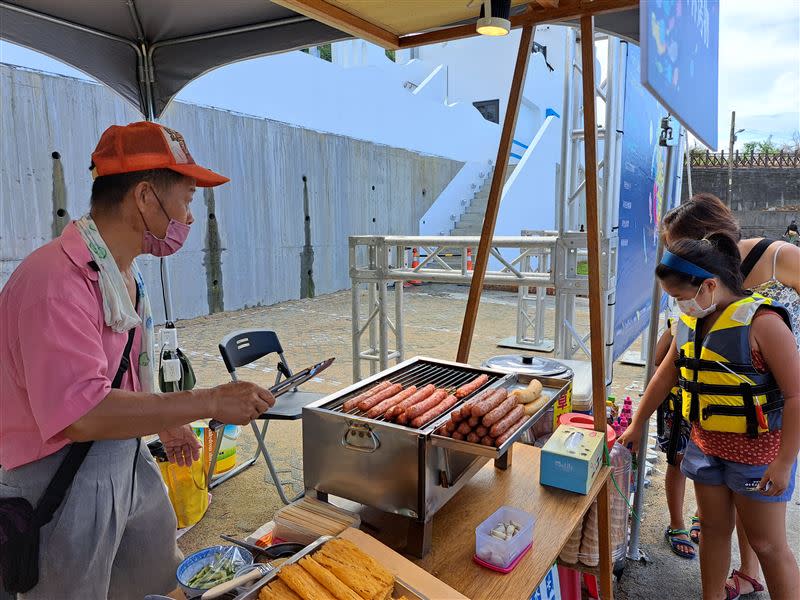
x: 290, y: 383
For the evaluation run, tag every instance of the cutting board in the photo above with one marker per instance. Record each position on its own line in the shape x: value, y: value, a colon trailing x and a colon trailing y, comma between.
x: 419, y: 579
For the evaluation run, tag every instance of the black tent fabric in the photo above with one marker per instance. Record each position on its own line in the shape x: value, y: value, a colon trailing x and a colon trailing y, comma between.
x: 148, y: 50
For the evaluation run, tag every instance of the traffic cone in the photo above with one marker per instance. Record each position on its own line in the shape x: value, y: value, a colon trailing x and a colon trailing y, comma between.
x: 469, y: 259
x: 415, y: 264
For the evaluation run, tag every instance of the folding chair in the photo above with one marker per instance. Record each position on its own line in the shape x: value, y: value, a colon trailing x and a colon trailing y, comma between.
x: 241, y: 348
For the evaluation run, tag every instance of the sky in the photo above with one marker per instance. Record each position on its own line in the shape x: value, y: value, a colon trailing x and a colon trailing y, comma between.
x: 759, y: 69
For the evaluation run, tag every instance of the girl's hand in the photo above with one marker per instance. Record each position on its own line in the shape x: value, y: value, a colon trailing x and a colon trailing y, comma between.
x: 778, y: 473
x: 630, y: 439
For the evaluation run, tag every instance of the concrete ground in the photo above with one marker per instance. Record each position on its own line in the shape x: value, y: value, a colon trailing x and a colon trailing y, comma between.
x: 311, y: 330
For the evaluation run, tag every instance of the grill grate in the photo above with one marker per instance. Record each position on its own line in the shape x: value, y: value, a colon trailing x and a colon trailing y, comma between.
x: 420, y: 374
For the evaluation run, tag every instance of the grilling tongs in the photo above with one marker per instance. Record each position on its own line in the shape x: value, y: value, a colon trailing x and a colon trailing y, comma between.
x: 291, y: 382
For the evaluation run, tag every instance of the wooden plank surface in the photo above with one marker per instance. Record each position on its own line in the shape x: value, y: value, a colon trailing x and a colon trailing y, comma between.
x: 557, y: 513
x: 414, y: 576
x: 340, y: 19
x: 495, y: 191
x: 565, y: 11
x: 411, y: 16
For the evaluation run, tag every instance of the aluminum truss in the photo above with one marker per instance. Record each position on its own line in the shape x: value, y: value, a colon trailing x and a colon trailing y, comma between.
x: 571, y: 204
x: 376, y: 262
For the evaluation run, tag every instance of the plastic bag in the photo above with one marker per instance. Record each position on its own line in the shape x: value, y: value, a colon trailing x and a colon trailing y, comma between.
x: 187, y: 488
x: 223, y: 568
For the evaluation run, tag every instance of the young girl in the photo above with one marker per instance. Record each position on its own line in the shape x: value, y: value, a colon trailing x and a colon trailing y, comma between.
x: 769, y: 267
x: 735, y: 359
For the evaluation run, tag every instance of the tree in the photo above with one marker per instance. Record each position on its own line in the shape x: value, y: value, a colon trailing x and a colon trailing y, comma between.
x: 766, y: 146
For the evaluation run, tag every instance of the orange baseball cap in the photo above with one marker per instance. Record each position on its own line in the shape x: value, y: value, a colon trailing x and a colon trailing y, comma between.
x: 143, y: 146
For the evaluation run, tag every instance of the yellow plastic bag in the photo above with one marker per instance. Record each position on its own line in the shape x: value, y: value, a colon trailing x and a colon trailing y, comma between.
x: 188, y: 491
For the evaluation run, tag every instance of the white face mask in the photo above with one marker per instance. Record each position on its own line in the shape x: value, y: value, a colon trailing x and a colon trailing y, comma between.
x: 692, y: 308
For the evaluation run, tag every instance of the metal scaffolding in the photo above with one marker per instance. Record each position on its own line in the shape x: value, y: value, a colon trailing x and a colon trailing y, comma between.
x: 544, y: 259
x: 376, y: 262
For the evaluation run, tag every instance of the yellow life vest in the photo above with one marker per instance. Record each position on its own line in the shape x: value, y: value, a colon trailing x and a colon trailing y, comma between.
x: 720, y: 388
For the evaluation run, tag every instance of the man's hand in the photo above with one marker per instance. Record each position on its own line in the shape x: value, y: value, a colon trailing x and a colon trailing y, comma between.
x: 181, y: 445
x: 239, y: 402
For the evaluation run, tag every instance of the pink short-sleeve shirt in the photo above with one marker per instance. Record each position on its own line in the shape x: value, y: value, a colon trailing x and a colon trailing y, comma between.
x: 57, y: 355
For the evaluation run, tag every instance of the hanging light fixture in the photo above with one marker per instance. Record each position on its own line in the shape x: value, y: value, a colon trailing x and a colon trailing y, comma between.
x: 494, y: 17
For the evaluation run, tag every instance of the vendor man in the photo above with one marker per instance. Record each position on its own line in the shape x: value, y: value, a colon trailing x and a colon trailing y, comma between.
x: 66, y: 316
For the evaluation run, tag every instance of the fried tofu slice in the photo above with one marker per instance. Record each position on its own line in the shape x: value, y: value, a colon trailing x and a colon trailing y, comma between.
x: 331, y: 583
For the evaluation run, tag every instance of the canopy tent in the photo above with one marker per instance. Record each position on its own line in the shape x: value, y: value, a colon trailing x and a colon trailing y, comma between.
x: 148, y: 50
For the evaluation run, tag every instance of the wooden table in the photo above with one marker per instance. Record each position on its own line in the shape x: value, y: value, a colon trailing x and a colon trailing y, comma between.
x: 557, y: 513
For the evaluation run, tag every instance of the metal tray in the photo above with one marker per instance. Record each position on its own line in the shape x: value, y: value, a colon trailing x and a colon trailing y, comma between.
x: 400, y: 587
x: 553, y: 386
x: 332, y: 403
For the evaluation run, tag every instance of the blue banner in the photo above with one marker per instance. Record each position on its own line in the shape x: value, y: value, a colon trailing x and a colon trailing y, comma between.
x: 680, y: 47
x: 644, y: 165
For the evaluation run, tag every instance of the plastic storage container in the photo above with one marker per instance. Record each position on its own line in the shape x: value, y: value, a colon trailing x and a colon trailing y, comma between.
x: 589, y: 553
x: 501, y: 553
x: 581, y: 384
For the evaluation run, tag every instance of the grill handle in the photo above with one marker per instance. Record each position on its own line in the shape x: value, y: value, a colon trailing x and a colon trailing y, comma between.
x: 361, y: 438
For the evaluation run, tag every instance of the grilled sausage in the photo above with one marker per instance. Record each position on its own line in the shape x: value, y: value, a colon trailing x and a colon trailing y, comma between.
x: 489, y: 403
x: 494, y: 415
x: 473, y: 437
x: 507, y: 421
x: 385, y: 405
x: 457, y: 436
x: 474, y: 421
x: 425, y: 405
x: 464, y: 428
x: 450, y: 426
x: 436, y: 411
x: 464, y: 411
x: 353, y: 402
x: 419, y: 395
x: 502, y: 439
x: 466, y: 389
x: 390, y: 391
x: 482, y: 430
x: 456, y: 415
x: 487, y: 440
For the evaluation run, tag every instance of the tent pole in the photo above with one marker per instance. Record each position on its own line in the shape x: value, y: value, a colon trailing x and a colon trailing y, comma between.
x: 493, y: 204
x: 673, y: 152
x: 595, y: 291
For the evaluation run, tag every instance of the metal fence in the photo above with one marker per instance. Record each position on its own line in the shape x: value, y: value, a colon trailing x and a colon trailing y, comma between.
x: 751, y: 160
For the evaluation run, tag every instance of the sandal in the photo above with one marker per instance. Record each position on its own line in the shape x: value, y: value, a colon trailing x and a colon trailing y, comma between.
x: 694, y: 531
x: 679, y: 545
x: 737, y: 575
x: 731, y: 592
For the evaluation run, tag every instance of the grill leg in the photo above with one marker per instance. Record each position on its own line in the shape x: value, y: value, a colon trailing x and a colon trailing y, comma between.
x: 504, y: 461
x: 420, y: 537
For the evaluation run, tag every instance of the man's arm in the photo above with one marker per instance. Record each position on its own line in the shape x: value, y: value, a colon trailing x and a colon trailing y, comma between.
x: 67, y: 379
x: 123, y: 414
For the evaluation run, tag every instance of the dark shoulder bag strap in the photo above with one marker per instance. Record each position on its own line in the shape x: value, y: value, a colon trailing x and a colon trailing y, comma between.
x: 57, y: 488
x: 756, y: 252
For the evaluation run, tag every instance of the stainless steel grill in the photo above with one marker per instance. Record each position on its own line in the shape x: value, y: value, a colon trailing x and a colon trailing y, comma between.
x: 409, y: 471
x: 420, y: 374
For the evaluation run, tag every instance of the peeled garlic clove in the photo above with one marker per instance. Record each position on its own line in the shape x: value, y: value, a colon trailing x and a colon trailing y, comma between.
x: 498, y: 535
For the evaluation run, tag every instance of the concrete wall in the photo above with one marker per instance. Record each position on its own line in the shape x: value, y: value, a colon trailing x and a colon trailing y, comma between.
x: 249, y: 234
x: 765, y: 223
x: 753, y: 189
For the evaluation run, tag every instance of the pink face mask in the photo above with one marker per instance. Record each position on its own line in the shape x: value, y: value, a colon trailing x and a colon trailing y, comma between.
x: 173, y: 240
x: 177, y: 233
